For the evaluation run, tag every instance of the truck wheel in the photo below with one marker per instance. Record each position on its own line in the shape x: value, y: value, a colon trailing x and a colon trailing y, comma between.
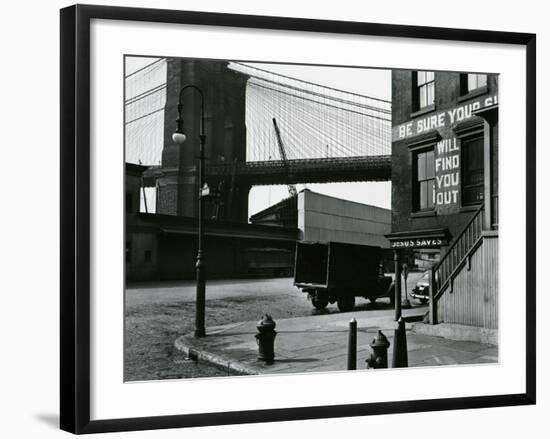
x: 319, y: 300
x: 346, y: 303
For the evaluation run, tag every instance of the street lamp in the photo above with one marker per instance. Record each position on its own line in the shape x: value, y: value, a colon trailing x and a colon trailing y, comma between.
x: 179, y: 137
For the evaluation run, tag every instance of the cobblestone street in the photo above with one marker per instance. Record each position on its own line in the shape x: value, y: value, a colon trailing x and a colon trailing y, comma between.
x: 155, y: 318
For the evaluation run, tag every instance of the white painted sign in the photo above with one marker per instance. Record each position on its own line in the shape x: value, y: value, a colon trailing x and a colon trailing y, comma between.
x: 447, y: 172
x: 442, y: 119
x: 417, y: 243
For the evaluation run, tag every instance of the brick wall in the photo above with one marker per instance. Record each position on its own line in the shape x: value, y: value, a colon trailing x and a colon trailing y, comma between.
x: 447, y: 98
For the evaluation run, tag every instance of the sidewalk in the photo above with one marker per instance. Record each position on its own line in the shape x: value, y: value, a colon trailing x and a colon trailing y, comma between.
x: 319, y: 343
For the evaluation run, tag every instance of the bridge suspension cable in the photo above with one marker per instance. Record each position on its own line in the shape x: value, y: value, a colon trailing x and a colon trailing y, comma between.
x: 326, y: 87
x: 319, y: 121
x: 144, y: 102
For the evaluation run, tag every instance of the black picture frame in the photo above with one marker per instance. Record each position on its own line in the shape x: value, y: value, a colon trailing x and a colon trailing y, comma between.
x: 75, y: 217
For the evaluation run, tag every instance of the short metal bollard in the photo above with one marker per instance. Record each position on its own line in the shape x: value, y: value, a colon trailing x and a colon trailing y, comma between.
x: 400, y: 356
x: 266, y: 339
x: 406, y: 304
x: 378, y: 358
x: 352, y: 345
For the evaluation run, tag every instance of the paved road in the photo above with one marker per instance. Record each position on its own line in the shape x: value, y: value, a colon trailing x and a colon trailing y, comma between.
x: 184, y: 291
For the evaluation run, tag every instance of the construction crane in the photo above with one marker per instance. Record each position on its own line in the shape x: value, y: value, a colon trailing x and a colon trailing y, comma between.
x: 291, y: 188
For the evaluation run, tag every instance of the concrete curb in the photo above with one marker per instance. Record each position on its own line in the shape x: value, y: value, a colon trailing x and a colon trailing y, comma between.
x: 184, y: 344
x: 458, y: 332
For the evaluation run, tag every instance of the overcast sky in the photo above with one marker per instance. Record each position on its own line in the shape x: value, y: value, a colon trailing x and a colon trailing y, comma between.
x: 371, y: 82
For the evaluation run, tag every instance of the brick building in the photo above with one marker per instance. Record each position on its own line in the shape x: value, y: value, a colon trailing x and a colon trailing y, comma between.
x: 445, y: 187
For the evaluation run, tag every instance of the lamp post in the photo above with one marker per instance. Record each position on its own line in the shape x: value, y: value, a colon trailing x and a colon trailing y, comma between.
x: 179, y: 137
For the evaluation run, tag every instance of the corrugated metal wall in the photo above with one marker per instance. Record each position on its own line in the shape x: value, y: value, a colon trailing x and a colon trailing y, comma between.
x: 474, y: 300
x: 324, y: 218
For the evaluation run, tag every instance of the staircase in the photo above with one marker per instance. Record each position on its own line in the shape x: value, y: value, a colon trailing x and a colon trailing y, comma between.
x: 464, y: 282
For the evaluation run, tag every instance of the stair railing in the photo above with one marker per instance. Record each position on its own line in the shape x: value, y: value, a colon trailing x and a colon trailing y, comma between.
x: 458, y: 254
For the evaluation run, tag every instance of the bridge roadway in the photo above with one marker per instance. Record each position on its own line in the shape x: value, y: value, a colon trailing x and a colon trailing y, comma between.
x: 319, y: 170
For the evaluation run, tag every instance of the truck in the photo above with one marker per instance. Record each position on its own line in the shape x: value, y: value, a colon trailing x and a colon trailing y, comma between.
x: 268, y: 261
x: 339, y: 272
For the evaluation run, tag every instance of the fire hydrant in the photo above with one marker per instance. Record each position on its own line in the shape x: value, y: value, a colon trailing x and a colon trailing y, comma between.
x: 266, y: 339
x: 378, y: 358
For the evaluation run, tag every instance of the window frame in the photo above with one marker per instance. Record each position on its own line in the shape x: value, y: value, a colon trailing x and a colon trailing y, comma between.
x: 477, y: 135
x: 465, y: 93
x: 416, y: 92
x: 416, y: 183
x: 477, y: 77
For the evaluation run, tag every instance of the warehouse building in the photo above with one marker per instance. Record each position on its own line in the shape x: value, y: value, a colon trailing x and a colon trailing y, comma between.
x: 163, y: 247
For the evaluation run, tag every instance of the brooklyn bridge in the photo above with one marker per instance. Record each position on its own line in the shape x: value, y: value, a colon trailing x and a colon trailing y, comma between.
x: 263, y: 128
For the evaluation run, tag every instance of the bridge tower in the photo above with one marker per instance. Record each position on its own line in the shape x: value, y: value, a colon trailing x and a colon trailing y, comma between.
x: 177, y: 179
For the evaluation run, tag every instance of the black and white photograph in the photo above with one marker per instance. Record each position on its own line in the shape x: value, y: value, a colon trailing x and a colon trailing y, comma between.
x: 275, y: 219
x: 296, y: 218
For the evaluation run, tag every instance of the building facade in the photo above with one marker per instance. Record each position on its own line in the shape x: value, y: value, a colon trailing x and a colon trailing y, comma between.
x: 322, y: 218
x: 164, y: 247
x: 445, y: 186
x: 141, y: 247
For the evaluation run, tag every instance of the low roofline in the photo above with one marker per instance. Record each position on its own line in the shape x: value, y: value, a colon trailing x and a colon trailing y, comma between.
x: 347, y: 201
x: 189, y: 225
x: 272, y: 207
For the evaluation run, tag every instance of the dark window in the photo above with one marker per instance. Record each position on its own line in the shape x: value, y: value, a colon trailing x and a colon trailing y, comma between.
x: 472, y: 81
x: 147, y: 257
x: 424, y: 181
x: 424, y: 90
x: 129, y: 204
x: 472, y: 171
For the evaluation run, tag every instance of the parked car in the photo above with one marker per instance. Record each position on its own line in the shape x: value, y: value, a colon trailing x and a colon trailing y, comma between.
x: 422, y: 289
